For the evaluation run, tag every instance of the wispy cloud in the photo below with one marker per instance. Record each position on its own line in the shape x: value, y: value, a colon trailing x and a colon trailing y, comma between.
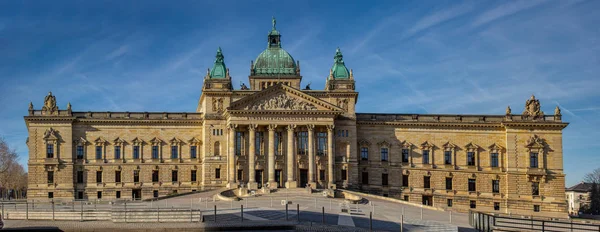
x: 512, y: 7
x: 438, y: 17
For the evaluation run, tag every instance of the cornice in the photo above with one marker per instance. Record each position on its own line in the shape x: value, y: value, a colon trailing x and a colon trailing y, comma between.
x: 433, y: 124
x: 142, y: 121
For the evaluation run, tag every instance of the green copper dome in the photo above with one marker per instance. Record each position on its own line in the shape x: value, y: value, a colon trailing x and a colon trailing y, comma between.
x: 219, y: 70
x: 339, y: 70
x: 274, y: 60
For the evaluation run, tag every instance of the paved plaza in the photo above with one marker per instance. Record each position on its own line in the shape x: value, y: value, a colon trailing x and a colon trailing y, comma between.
x: 269, y: 210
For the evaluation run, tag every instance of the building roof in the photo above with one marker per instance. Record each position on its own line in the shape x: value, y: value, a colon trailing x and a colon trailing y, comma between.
x: 274, y: 60
x: 581, y: 187
x: 219, y: 69
x: 339, y: 70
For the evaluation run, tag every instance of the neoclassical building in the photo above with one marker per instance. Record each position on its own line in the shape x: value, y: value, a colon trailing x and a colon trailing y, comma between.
x: 277, y: 133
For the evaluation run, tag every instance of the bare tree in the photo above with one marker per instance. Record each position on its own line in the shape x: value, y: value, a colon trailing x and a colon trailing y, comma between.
x: 593, y: 177
x: 12, y: 174
x: 8, y: 157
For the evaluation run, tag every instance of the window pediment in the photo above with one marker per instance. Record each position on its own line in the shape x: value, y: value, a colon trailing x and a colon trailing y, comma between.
x: 51, y: 134
x: 100, y: 141
x: 137, y: 141
x: 195, y: 141
x: 176, y: 142
x: 156, y: 141
x: 449, y: 146
x: 496, y: 148
x: 427, y: 145
x: 405, y: 144
x: 364, y: 143
x: 472, y: 147
x: 80, y: 141
x: 119, y: 141
x: 535, y: 142
x: 384, y: 143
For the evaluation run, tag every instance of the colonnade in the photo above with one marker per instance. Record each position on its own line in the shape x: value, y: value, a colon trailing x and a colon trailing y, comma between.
x: 291, y: 181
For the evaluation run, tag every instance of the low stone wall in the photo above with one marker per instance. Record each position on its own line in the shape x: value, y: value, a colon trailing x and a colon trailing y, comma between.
x: 227, y: 195
x: 392, y: 200
x: 140, y: 215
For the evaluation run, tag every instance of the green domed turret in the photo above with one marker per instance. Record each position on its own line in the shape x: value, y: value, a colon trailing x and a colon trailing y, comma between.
x: 274, y: 60
x: 339, y: 70
x: 219, y: 70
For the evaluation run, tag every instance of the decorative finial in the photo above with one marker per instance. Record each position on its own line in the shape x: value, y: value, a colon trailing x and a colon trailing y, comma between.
x: 557, y: 111
x: 69, y: 106
x: 351, y: 73
x: 208, y: 72
x: 508, y: 110
x: 274, y: 22
x: 30, y: 105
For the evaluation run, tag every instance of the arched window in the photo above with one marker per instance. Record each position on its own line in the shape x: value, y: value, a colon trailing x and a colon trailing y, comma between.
x: 217, y: 148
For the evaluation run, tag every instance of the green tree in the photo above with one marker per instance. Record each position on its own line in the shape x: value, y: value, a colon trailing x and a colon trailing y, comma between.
x: 595, y: 199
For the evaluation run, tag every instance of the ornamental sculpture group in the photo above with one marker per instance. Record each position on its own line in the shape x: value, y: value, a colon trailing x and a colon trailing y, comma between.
x: 281, y: 102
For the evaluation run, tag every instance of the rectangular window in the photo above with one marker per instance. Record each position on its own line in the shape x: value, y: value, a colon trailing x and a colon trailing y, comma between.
x: 449, y: 202
x: 154, y: 152
x: 118, y: 195
x: 117, y: 176
x: 447, y: 157
x: 365, y: 178
x: 321, y: 174
x: 79, y: 152
x: 406, y: 198
x: 405, y: 155
x: 496, y: 186
x: 155, y: 193
x: 117, y: 152
x: 80, y: 177
x: 50, y: 195
x: 174, y: 152
x: 174, y: 176
x: 98, y: 176
x: 384, y: 154
x: 471, y: 158
x: 238, y: 142
x: 448, y: 183
x: 193, y: 152
x: 98, y: 152
x: 472, y: 185
x: 258, y: 139
x: 404, y: 180
x: 494, y: 160
x: 50, y: 151
x: 278, y: 139
x: 425, y: 156
x: 80, y: 195
x: 99, y: 194
x: 50, y: 177
x: 344, y: 174
x: 321, y: 143
x: 136, y: 152
x: 217, y: 173
x: 536, y: 208
x: 303, y: 144
x: 426, y: 182
x: 472, y: 204
x: 136, y: 176
x: 364, y: 153
x: 155, y: 176
x: 496, y: 206
x: 533, y: 160
x: 535, y: 188
x: 193, y: 176
x: 384, y: 179
x: 240, y: 174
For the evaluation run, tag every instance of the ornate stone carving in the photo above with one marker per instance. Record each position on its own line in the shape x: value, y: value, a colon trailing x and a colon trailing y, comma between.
x: 291, y: 127
x: 535, y: 142
x: 557, y: 111
x: 50, y: 103
x: 532, y: 108
x: 310, y: 127
x: 342, y: 103
x: 252, y: 127
x: 508, y: 110
x: 217, y: 104
x: 51, y: 134
x: 280, y: 102
x: 272, y: 127
x: 330, y: 127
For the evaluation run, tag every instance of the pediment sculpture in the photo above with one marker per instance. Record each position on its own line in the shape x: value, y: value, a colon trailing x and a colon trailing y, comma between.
x: 50, y: 103
x: 532, y: 108
x: 280, y: 102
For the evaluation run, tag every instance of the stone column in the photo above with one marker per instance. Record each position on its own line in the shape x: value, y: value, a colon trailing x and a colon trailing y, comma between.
x: 271, y: 162
x: 330, y: 159
x: 231, y: 182
x: 311, y: 157
x: 290, y: 183
x: 251, y: 156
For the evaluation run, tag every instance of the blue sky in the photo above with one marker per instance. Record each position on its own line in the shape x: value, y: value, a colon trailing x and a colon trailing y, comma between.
x: 473, y: 57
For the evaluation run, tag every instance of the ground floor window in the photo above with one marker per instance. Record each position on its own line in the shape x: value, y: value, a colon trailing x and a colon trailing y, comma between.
x: 99, y: 195
x: 536, y: 208
x: 365, y: 178
x: 405, y: 197
x: 155, y: 193
x: 404, y: 180
x: 217, y: 173
x: 118, y: 194
x: 496, y: 205
x: 344, y: 174
x: 240, y: 174
x: 384, y: 179
x: 473, y: 205
x: 449, y: 202
x: 50, y: 195
x: 321, y: 174
x: 80, y: 195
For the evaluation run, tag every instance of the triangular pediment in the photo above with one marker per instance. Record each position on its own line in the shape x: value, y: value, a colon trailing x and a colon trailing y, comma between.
x: 282, y: 98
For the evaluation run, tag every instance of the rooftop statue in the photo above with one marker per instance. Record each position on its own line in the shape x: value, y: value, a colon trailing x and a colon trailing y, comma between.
x: 50, y: 103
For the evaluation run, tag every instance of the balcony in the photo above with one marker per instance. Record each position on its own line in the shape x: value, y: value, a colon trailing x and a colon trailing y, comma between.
x: 51, y: 161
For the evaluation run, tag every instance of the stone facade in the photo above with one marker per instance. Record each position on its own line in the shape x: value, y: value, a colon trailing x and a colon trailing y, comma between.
x: 277, y: 134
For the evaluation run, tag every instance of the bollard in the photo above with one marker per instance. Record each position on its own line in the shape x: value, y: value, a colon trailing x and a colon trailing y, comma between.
x: 242, y: 212
x: 298, y: 212
x: 370, y: 221
x: 286, y: 211
x: 402, y: 223
x: 52, y: 210
x: 421, y: 212
x: 26, y: 210
x: 450, y: 216
x: 158, y: 213
x: 215, y: 213
x: 323, y: 216
x: 330, y: 204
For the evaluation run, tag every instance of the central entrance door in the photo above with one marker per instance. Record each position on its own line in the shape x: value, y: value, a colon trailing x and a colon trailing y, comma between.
x: 136, y: 194
x: 428, y: 200
x: 303, y: 178
x: 258, y: 177
x: 278, y: 178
